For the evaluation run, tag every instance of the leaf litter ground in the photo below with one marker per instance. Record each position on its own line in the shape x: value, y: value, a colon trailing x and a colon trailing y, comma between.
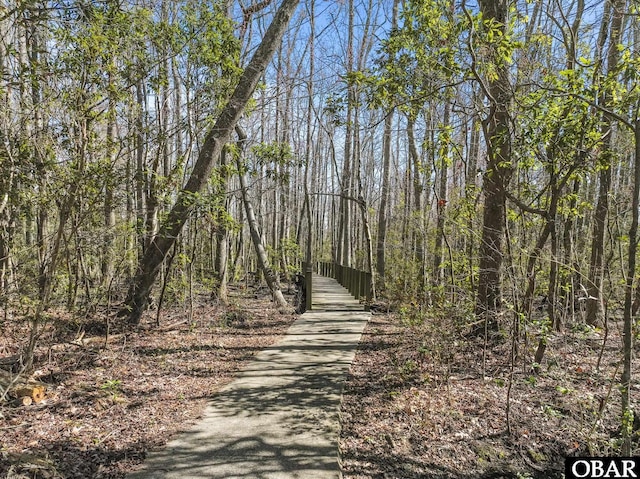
x: 419, y: 402
x: 107, y: 406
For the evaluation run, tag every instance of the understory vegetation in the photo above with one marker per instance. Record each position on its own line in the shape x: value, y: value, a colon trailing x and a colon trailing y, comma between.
x: 416, y: 406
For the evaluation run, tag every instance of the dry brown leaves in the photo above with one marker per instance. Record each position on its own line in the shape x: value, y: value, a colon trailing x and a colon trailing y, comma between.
x: 410, y: 411
x: 106, y: 406
x: 420, y: 402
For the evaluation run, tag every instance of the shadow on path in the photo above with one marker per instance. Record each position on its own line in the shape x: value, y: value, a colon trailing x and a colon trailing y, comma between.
x: 279, y: 418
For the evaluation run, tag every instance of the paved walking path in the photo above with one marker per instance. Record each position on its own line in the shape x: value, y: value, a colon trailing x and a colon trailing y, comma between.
x: 279, y: 418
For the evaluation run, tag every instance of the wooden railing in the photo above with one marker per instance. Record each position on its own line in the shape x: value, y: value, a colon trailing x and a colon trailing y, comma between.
x: 357, y: 282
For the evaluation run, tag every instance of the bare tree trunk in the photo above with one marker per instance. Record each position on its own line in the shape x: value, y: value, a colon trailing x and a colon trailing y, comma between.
x: 471, y: 191
x: 7, y: 220
x: 222, y: 232
x: 442, y: 196
x: 384, y: 198
x: 263, y: 258
x: 627, y: 412
x: 140, y: 191
x: 309, y: 140
x: 386, y: 177
x: 7, y: 180
x: 150, y: 264
x: 417, y: 216
x: 596, y: 272
x: 109, y: 206
x: 368, y: 242
x: 30, y: 50
x: 497, y: 130
x: 596, y: 266
x: 344, y: 239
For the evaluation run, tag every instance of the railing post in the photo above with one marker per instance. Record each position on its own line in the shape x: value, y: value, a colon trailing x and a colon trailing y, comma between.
x: 308, y: 279
x: 347, y: 273
x: 349, y: 278
x: 356, y: 281
x: 352, y: 282
x: 367, y: 304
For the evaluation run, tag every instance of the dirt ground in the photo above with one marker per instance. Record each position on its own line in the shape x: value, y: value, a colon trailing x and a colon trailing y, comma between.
x: 420, y: 402
x: 107, y: 406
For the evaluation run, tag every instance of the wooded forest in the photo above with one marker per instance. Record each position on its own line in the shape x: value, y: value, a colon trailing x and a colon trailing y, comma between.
x: 480, y: 157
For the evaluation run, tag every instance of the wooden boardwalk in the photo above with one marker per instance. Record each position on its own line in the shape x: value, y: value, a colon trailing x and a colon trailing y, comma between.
x: 279, y: 418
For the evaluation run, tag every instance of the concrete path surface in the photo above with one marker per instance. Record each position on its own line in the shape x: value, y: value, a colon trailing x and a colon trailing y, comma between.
x: 279, y: 418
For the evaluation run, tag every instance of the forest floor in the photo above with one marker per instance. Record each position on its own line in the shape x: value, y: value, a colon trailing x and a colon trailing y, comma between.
x: 106, y: 406
x: 422, y: 401
x: 425, y: 402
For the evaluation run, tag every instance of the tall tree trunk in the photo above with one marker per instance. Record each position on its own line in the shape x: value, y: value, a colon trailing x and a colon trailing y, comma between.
x: 261, y: 253
x: 8, y: 166
x: 497, y: 133
x: 109, y: 206
x: 596, y: 265
x: 416, y: 210
x: 628, y: 336
x: 150, y: 263
x: 140, y: 165
x: 471, y: 192
x: 309, y: 153
x: 384, y: 198
x: 222, y: 231
x: 570, y: 267
x: 29, y: 52
x: 442, y: 194
x: 163, y: 98
x: 344, y: 245
x: 7, y: 187
x: 627, y: 340
x: 381, y: 241
x: 285, y: 185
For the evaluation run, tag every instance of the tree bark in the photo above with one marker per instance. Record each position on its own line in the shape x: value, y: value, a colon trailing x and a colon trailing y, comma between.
x: 442, y: 198
x: 627, y: 338
x: 345, y: 233
x: 384, y: 198
x: 109, y: 199
x: 416, y: 211
x: 471, y: 192
x: 386, y: 177
x: 150, y: 264
x: 497, y: 133
x: 222, y: 232
x: 140, y: 160
x: 263, y: 258
x: 596, y: 265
